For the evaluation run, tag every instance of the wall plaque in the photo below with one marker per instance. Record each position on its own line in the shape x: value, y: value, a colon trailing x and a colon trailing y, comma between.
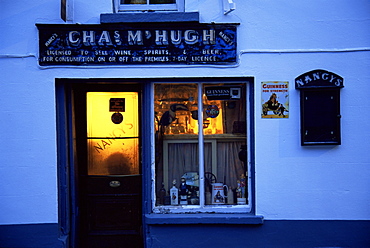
x: 135, y: 44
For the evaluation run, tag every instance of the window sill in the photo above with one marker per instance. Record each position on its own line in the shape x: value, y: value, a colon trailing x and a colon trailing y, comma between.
x: 150, y: 17
x: 232, y: 219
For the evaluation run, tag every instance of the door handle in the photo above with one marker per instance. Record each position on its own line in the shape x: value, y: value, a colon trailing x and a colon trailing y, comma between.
x: 114, y: 184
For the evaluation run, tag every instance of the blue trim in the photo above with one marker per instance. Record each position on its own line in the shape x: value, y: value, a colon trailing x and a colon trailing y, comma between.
x: 62, y: 163
x: 146, y: 156
x: 252, y: 149
x: 150, y: 17
x: 160, y: 219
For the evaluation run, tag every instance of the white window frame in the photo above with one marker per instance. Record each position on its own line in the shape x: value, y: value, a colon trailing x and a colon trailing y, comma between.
x: 178, y: 6
x: 202, y: 207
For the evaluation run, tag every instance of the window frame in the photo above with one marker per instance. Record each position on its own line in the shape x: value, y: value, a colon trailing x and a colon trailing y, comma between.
x: 178, y: 6
x: 202, y: 208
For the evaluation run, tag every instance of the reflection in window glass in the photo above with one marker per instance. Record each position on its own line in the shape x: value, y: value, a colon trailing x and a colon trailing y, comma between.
x: 145, y: 1
x: 133, y: 1
x: 219, y: 175
x: 162, y: 1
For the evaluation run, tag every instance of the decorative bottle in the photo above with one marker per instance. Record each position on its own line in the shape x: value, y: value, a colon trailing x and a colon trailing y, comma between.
x: 230, y: 196
x: 174, y: 194
x: 162, y: 195
x: 183, y: 192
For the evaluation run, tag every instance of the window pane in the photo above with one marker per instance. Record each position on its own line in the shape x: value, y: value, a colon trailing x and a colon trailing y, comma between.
x: 224, y: 126
x: 176, y: 109
x: 113, y: 156
x: 99, y: 116
x: 222, y: 179
x: 113, y: 147
x: 161, y: 1
x: 145, y: 1
x: 133, y: 1
x: 176, y: 143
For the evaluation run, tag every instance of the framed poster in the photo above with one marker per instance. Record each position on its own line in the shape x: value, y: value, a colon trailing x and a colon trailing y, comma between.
x: 275, y: 99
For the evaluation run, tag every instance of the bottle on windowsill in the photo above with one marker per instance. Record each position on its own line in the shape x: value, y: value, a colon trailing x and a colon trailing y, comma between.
x: 174, y: 194
x: 162, y: 195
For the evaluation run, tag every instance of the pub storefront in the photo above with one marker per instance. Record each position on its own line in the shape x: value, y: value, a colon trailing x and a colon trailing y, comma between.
x: 184, y: 123
x: 146, y: 151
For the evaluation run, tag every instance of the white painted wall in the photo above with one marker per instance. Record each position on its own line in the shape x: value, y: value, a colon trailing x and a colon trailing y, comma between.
x: 278, y: 40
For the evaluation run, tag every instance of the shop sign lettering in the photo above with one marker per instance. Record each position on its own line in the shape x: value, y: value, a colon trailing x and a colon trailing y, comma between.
x: 318, y: 78
x: 223, y: 92
x: 136, y: 44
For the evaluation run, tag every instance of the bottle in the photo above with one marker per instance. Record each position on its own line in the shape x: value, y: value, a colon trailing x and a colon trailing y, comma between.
x: 162, y: 195
x: 174, y: 194
x: 183, y: 192
x: 230, y: 196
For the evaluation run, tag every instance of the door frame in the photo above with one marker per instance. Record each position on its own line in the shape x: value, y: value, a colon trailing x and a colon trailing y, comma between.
x: 68, y: 213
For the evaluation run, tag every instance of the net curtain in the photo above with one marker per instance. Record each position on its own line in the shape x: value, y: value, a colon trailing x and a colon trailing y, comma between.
x: 183, y: 157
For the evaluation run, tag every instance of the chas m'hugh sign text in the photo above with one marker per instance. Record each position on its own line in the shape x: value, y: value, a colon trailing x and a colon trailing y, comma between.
x: 144, y: 44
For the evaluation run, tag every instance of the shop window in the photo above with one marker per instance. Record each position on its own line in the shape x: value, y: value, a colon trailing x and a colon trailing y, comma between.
x: 201, y: 148
x: 150, y: 5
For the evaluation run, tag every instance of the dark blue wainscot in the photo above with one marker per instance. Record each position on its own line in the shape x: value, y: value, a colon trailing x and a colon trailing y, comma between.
x: 198, y: 230
x: 45, y: 235
x: 252, y: 231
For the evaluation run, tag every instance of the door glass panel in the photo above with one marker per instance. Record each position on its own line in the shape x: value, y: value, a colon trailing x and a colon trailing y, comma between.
x: 112, y: 133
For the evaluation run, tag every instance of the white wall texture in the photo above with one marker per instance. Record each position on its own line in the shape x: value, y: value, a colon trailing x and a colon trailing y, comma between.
x: 278, y: 40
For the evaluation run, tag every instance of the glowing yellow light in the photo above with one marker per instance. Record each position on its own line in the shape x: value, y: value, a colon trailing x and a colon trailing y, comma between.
x: 108, y: 153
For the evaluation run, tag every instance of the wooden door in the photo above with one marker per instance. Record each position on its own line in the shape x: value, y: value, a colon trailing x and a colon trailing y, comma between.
x: 108, y: 181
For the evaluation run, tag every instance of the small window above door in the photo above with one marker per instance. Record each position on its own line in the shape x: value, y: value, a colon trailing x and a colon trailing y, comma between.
x: 149, y: 5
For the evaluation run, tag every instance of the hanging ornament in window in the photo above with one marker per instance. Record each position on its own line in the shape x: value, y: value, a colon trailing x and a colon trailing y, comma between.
x: 117, y: 118
x: 212, y: 111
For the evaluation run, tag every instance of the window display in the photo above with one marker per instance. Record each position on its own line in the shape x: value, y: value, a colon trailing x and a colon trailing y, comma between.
x: 200, y: 144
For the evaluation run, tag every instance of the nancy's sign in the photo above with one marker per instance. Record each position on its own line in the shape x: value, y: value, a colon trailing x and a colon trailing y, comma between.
x: 318, y: 78
x: 175, y: 43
